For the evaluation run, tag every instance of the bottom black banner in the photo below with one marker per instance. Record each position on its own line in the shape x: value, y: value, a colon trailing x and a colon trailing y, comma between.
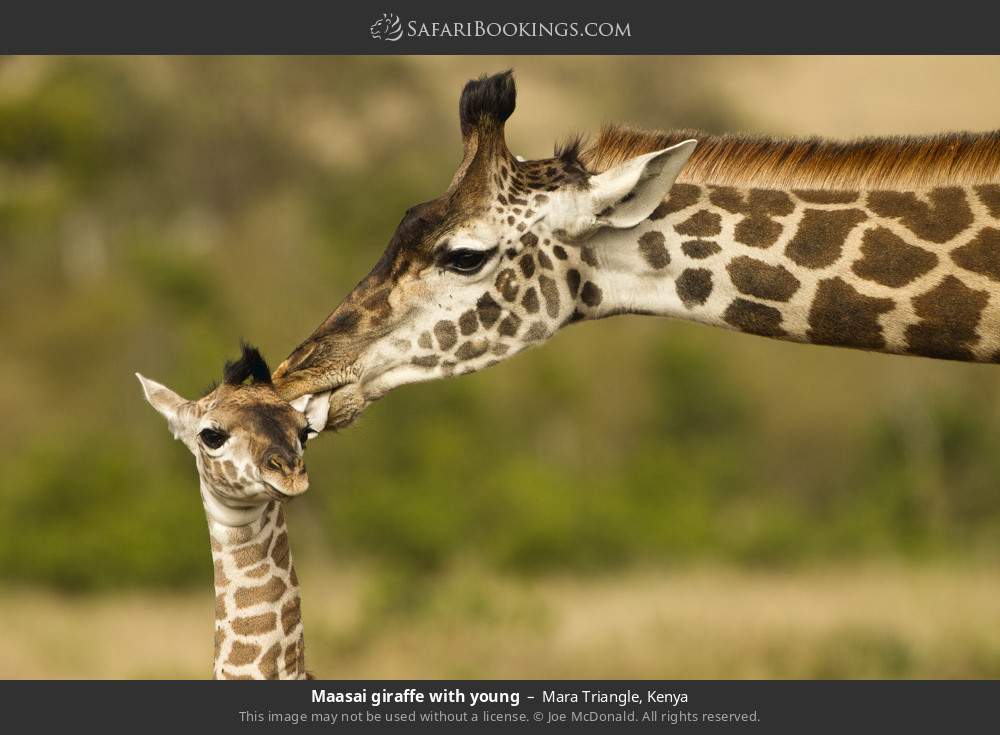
x: 493, y: 706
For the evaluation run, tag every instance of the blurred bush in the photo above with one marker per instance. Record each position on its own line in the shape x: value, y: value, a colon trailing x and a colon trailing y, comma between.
x: 153, y: 211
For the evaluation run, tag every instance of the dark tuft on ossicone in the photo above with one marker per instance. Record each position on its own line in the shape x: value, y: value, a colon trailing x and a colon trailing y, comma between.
x: 487, y: 97
x: 250, y: 365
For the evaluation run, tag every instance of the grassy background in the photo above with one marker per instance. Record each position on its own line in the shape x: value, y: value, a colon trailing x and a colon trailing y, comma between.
x: 155, y: 210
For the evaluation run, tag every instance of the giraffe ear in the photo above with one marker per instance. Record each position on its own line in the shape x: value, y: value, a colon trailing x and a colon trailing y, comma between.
x: 181, y: 414
x: 627, y: 194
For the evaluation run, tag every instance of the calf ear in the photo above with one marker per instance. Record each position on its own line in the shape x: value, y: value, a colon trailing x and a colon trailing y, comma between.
x: 627, y: 194
x: 181, y: 414
x: 316, y: 407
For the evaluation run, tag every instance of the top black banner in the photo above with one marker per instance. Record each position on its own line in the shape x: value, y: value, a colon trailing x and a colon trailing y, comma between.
x: 514, y: 26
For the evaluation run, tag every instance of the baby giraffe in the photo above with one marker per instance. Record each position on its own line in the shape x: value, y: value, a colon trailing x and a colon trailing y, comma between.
x: 248, y: 445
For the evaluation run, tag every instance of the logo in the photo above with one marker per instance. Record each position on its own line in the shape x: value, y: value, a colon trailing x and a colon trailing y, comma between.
x: 387, y: 28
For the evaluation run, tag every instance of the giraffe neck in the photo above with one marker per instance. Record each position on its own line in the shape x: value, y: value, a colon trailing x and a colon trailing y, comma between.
x: 258, y: 622
x: 910, y: 272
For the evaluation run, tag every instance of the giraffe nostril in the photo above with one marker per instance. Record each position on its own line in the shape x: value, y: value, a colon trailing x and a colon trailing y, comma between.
x: 275, y: 463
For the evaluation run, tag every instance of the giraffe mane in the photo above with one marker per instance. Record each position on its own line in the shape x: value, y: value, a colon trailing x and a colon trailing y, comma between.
x: 251, y: 364
x: 816, y: 163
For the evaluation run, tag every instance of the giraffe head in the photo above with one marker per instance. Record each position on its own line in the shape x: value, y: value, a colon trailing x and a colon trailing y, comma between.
x: 247, y: 441
x: 497, y: 263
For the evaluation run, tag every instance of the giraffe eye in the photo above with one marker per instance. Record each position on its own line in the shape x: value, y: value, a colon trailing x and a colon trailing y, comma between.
x: 468, y: 262
x: 213, y: 438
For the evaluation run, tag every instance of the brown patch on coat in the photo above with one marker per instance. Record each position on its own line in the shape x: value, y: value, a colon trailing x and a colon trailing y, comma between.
x: 950, y: 313
x: 757, y: 278
x: 488, y: 310
x: 291, y: 613
x: 424, y: 341
x: 702, y: 223
x: 842, y: 316
x: 255, y: 624
x: 270, y: 591
x: 269, y: 662
x: 506, y: 283
x: 591, y: 294
x: 825, y: 196
x: 281, y: 554
x: 471, y: 350
x: 820, y: 237
x: 981, y: 254
x: 530, y: 300
x: 550, y: 294
x: 681, y: 196
x: 446, y: 333
x: 250, y: 554
x: 946, y: 216
x: 694, y: 286
x: 989, y: 195
x: 529, y: 239
x: 652, y: 247
x: 509, y: 326
x: 890, y: 260
x: 754, y: 318
x: 527, y: 264
x: 588, y: 256
x: 700, y: 249
x: 573, y: 282
x: 468, y: 322
x: 242, y: 654
x: 758, y: 206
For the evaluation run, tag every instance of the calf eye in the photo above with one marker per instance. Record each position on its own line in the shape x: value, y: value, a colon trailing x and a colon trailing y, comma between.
x: 213, y: 438
x: 467, y: 261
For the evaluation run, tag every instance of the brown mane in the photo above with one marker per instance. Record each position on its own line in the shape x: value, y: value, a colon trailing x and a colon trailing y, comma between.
x: 866, y: 163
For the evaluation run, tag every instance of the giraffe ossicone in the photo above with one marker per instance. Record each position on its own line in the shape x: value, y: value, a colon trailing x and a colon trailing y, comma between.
x: 248, y: 445
x: 890, y: 245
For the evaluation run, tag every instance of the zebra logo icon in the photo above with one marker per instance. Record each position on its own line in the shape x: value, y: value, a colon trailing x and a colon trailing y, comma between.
x: 387, y: 28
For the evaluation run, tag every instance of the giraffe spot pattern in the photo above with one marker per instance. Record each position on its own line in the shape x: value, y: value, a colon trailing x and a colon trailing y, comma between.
x: 820, y: 237
x: 270, y: 591
x: 573, y: 282
x: 530, y: 300
x: 470, y: 350
x: 946, y: 215
x: 949, y: 316
x: 509, y: 326
x: 591, y: 294
x: 756, y: 278
x: 544, y: 261
x: 446, y: 333
x: 527, y: 264
x: 250, y: 554
x: 291, y: 614
x: 989, y: 195
x: 488, y: 310
x: 468, y: 322
x: 588, y: 256
x: 536, y: 332
x: 280, y: 553
x: 981, y: 254
x: 550, y: 294
x: 425, y: 361
x: 756, y: 229
x: 269, y: 662
x: 681, y: 196
x: 842, y: 316
x: 560, y: 252
x: 506, y: 283
x: 754, y: 318
x: 890, y: 260
x: 700, y: 249
x: 242, y: 654
x: 255, y: 624
x: 694, y: 286
x: 702, y: 223
x: 652, y: 247
x: 823, y: 196
x: 529, y: 239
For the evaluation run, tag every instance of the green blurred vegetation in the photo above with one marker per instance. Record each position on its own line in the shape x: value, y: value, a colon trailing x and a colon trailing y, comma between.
x: 154, y: 211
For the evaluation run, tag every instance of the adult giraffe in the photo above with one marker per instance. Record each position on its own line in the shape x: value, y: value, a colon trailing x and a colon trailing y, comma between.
x: 888, y: 244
